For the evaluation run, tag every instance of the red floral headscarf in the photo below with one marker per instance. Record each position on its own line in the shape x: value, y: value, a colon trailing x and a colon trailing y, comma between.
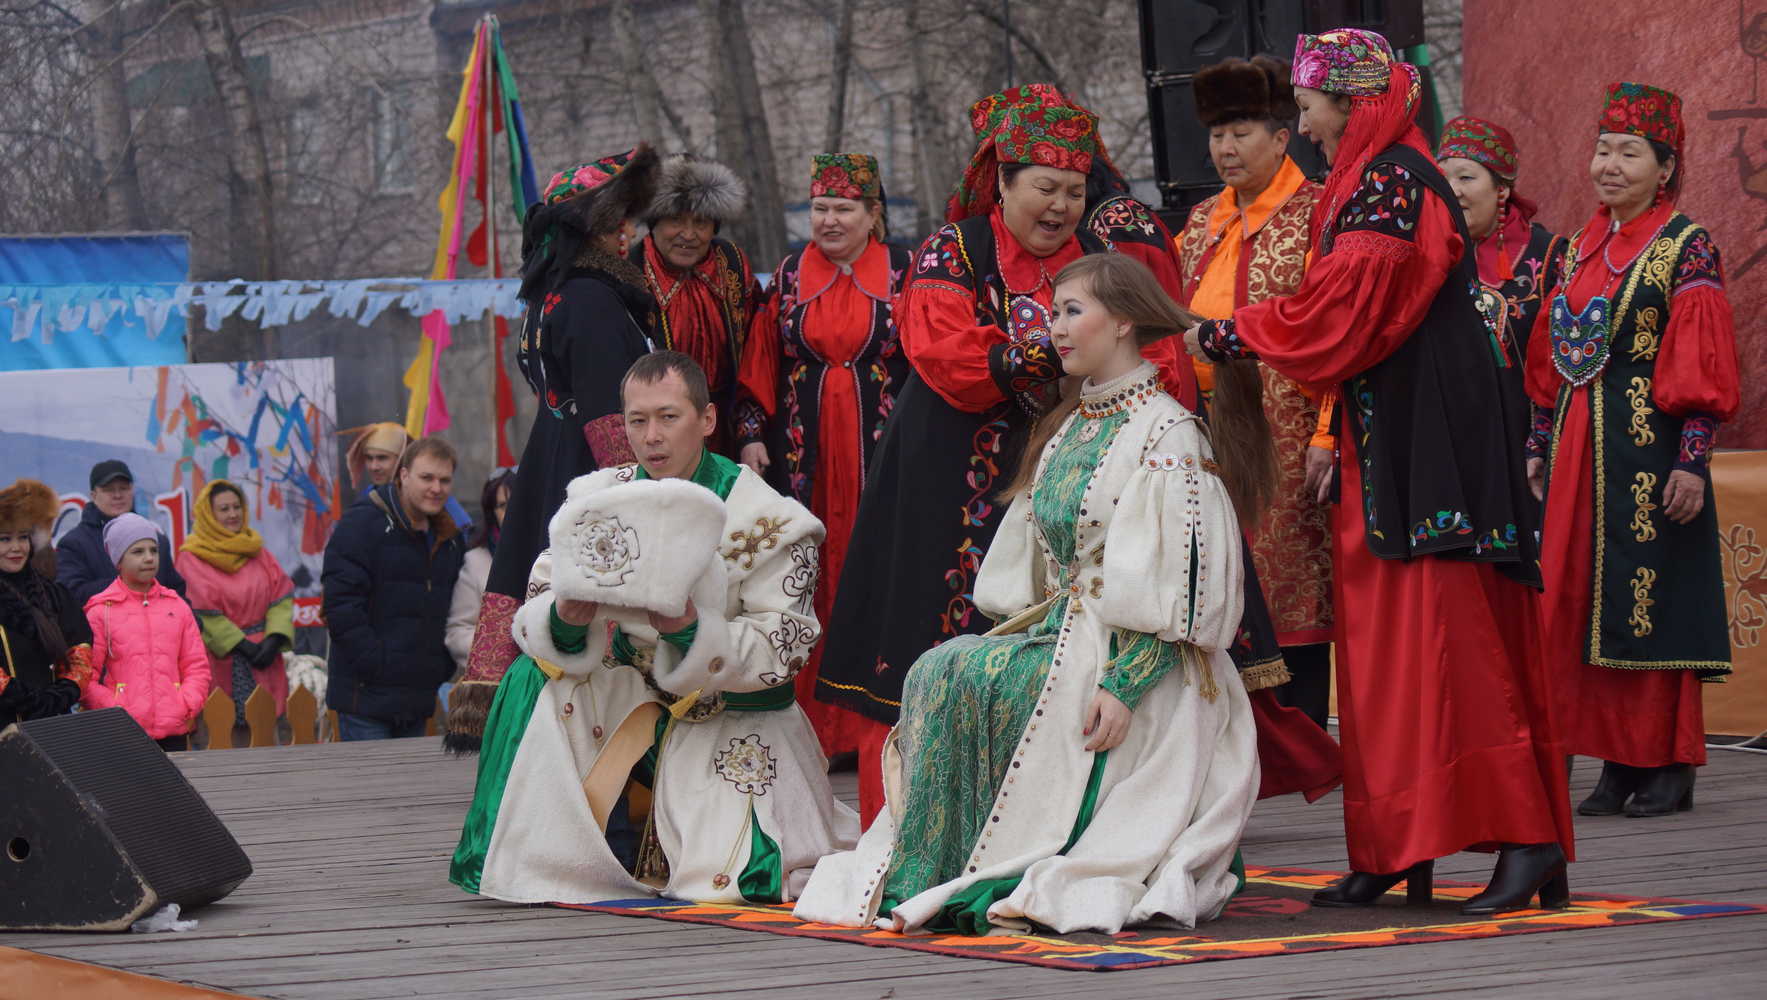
x: 1058, y: 136
x: 1650, y: 113
x: 845, y: 175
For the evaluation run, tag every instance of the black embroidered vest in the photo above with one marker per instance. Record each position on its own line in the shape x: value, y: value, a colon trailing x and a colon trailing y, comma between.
x: 1443, y: 471
x: 1658, y: 586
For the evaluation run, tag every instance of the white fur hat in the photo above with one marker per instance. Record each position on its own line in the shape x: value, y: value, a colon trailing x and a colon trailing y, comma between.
x: 642, y: 545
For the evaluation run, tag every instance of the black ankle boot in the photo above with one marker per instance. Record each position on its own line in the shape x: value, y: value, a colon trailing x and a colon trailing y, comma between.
x: 1664, y: 790
x: 1523, y: 870
x: 1364, y: 889
x: 1618, y: 782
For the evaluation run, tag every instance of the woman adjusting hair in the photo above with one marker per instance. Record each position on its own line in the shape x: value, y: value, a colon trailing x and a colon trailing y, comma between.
x: 1633, y: 365
x: 1445, y: 708
x: 820, y: 373
x: 1091, y: 762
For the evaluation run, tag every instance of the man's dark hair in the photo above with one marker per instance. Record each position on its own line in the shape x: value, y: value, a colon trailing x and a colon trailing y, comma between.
x: 656, y: 366
x: 434, y: 447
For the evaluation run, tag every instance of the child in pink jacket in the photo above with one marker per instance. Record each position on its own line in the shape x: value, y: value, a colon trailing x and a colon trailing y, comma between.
x: 147, y: 652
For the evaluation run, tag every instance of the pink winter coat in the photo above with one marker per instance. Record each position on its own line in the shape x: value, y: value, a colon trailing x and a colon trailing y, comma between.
x: 251, y: 602
x: 147, y: 657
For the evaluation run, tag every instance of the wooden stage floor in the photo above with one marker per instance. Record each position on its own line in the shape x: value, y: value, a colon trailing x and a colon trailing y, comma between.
x: 350, y: 900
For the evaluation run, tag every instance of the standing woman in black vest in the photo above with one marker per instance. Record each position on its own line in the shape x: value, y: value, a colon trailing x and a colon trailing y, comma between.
x: 1444, y: 705
x: 1634, y: 364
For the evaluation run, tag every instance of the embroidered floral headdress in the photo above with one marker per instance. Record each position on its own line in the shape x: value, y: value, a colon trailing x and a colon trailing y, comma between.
x: 1344, y: 61
x: 1482, y: 142
x: 1650, y: 113
x: 845, y: 175
x: 1062, y: 137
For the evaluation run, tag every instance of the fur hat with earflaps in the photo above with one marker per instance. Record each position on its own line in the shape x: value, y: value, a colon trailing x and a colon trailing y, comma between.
x: 688, y: 185
x: 29, y: 505
x: 1255, y: 89
x: 582, y: 202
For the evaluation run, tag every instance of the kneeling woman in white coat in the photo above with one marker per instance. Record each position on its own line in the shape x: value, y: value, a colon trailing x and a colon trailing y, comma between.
x: 1091, y: 762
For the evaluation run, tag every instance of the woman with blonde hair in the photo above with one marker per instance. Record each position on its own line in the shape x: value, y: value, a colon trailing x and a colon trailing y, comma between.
x: 1107, y: 688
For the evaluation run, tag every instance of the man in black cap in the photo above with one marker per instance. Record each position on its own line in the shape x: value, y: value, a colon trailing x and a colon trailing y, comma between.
x: 81, y: 564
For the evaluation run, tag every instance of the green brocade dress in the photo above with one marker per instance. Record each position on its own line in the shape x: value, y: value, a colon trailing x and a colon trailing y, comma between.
x: 966, y: 703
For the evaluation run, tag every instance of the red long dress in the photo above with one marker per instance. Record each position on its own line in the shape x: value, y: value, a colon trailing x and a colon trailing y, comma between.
x: 1445, y: 713
x: 838, y: 325
x: 1643, y: 718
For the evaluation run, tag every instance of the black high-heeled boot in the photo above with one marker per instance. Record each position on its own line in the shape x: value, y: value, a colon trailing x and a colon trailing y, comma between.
x: 1365, y: 889
x: 1523, y: 870
x: 1665, y: 790
x: 1617, y: 784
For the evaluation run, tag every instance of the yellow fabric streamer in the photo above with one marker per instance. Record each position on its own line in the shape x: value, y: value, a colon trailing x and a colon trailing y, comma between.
x: 420, y: 374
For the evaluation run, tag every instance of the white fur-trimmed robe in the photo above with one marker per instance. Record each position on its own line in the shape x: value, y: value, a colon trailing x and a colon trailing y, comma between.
x: 546, y: 845
x: 1176, y: 794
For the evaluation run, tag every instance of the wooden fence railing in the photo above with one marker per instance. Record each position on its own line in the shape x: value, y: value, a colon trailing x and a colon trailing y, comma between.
x: 306, y: 722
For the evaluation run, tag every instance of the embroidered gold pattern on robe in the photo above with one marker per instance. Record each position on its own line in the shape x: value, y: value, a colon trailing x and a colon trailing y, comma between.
x: 1642, y: 581
x: 1639, y: 395
x: 1644, y: 486
x: 763, y: 536
x: 1645, y: 338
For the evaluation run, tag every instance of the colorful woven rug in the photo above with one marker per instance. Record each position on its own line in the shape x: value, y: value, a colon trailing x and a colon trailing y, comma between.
x: 1271, y: 917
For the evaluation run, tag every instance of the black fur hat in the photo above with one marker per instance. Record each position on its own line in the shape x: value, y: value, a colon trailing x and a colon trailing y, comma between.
x: 1257, y: 89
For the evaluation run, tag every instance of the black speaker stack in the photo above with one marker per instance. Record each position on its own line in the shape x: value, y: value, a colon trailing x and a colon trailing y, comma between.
x: 98, y: 828
x: 1179, y: 37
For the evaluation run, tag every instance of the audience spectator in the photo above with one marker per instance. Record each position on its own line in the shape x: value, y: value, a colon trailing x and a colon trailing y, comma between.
x: 147, y: 653
x: 243, y: 600
x: 374, y: 455
x: 388, y: 579
x: 469, y: 590
x: 45, y: 643
x: 82, y: 565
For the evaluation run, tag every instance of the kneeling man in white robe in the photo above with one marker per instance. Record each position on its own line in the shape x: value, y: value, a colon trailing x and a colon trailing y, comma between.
x: 648, y: 741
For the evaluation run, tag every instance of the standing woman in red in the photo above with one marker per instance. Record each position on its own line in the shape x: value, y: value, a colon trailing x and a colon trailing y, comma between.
x: 821, y: 368
x: 1444, y: 707
x: 1635, y: 360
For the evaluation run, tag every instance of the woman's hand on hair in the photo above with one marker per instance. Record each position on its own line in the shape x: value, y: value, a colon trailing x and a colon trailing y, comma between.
x: 1193, y: 342
x: 1107, y: 722
x: 1537, y: 477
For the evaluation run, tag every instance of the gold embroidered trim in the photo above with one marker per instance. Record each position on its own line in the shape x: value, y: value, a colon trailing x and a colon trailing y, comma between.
x: 1642, y: 581
x: 854, y: 687
x: 1638, y: 393
x: 1644, y: 486
x: 1645, y: 339
x: 764, y: 535
x: 1268, y: 674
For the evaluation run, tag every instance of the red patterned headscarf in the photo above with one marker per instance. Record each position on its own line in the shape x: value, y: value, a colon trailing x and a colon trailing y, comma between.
x: 1061, y: 136
x: 845, y: 175
x: 1649, y: 113
x: 1491, y: 146
x: 985, y: 115
x: 573, y: 181
x: 1385, y: 95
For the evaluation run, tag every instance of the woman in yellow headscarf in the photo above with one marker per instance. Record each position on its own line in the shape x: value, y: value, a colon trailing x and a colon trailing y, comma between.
x: 242, y: 598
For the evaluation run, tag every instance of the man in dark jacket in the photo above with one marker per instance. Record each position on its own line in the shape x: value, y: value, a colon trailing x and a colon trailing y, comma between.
x: 388, y: 578
x: 81, y: 564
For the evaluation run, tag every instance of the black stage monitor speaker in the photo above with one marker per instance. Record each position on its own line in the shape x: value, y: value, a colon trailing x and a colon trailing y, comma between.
x: 99, y: 828
x: 1179, y: 37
